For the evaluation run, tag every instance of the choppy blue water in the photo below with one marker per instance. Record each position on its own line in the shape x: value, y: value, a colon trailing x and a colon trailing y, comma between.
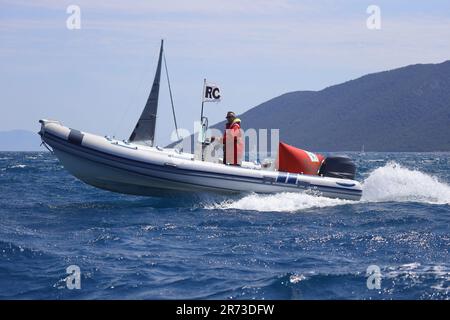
x: 284, y: 246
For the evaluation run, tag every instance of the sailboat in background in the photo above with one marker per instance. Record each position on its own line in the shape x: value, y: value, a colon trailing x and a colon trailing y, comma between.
x: 144, y: 131
x: 137, y: 166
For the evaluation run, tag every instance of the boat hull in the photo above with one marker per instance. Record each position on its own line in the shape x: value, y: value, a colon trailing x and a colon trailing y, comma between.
x: 126, y: 168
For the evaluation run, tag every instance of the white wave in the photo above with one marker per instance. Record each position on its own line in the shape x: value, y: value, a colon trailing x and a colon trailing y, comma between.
x: 280, y: 202
x: 296, y: 278
x: 391, y: 182
x: 18, y: 166
x: 396, y: 183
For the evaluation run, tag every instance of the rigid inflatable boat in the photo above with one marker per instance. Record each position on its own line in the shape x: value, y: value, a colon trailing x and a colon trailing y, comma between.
x: 135, y: 166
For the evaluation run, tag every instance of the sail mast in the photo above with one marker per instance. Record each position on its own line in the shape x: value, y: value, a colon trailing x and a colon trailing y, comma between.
x: 144, y: 131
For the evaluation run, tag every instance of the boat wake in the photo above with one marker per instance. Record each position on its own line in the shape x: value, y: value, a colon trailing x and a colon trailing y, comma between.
x: 280, y: 202
x: 390, y: 183
x: 394, y: 182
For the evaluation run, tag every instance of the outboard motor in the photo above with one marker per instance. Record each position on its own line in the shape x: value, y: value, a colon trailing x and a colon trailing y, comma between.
x: 338, y: 167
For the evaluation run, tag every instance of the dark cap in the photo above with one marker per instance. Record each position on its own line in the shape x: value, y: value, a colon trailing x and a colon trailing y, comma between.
x: 230, y: 114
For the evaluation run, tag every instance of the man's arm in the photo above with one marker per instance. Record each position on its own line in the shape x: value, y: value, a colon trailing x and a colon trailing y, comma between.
x: 219, y: 139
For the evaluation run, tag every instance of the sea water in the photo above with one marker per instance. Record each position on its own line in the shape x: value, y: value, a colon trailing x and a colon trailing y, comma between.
x: 282, y: 246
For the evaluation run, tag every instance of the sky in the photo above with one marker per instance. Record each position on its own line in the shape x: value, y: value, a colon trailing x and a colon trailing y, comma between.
x: 97, y: 78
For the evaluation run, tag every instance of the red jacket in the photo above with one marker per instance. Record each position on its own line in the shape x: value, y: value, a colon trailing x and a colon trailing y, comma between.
x: 234, y: 153
x: 234, y: 128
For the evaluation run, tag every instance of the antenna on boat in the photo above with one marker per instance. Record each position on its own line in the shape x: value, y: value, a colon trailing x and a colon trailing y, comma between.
x: 203, y: 121
x: 203, y: 100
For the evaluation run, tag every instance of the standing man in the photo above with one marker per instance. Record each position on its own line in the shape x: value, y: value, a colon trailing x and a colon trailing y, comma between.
x: 232, y: 140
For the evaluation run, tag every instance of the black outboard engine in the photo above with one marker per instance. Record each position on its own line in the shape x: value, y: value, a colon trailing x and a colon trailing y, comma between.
x: 338, y: 167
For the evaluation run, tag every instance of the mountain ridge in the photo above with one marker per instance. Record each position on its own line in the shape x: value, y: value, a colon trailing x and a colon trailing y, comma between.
x: 403, y: 109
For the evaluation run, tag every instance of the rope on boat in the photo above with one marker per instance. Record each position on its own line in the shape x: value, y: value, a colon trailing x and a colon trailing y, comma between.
x: 46, y: 146
x: 171, y: 99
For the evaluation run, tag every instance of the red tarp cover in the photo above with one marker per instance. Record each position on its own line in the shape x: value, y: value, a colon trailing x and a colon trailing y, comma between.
x: 291, y: 159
